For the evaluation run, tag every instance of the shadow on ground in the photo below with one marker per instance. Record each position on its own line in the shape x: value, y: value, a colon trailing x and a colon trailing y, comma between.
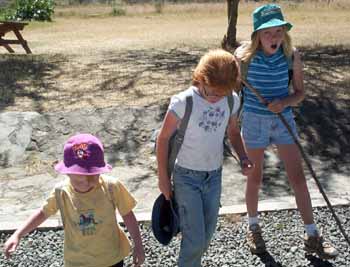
x: 317, y: 262
x: 70, y: 83
x: 323, y: 120
x: 269, y: 261
x: 26, y: 76
x: 165, y: 63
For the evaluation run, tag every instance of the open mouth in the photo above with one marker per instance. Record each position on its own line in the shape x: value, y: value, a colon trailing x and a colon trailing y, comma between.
x: 274, y: 46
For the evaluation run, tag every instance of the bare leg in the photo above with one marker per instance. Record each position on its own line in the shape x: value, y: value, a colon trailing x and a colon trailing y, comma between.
x: 254, y: 181
x: 291, y: 158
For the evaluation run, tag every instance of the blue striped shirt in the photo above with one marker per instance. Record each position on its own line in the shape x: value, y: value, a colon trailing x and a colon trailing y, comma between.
x: 269, y: 76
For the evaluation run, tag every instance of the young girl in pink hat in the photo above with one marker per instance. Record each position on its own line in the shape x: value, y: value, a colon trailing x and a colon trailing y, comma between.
x: 265, y: 65
x: 87, y: 202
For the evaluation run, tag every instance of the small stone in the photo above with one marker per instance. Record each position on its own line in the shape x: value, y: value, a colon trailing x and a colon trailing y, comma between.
x: 293, y: 249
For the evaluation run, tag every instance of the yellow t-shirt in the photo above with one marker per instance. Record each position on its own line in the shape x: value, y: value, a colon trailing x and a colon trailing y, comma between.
x: 92, y: 236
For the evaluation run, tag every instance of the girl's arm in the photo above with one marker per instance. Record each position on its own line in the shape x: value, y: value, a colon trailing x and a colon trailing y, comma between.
x: 32, y: 222
x: 298, y: 87
x: 133, y: 228
x: 236, y: 140
x: 168, y: 128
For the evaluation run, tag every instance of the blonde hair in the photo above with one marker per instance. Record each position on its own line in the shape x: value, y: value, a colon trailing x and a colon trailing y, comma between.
x: 250, y: 49
x: 219, y: 70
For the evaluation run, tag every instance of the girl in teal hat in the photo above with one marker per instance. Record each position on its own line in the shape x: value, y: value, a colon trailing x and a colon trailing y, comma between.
x: 267, y: 63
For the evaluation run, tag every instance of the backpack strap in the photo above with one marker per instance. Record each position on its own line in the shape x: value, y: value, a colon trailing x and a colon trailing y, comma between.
x: 108, y: 188
x: 290, y: 61
x: 184, y: 122
x: 230, y: 103
x: 58, y: 197
x: 244, y: 72
x: 108, y: 185
x: 180, y: 135
x: 244, y: 69
x: 111, y: 195
x: 227, y: 147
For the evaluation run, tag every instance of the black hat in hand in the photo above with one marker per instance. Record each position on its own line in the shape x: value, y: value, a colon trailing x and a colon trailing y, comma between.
x: 165, y: 220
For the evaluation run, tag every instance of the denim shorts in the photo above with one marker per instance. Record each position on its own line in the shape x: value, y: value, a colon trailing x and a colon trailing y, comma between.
x: 259, y: 131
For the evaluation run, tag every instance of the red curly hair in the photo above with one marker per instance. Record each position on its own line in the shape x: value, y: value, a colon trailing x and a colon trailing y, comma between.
x: 219, y: 70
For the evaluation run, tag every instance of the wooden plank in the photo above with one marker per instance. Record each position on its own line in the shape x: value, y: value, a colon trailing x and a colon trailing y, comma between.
x: 23, y: 42
x: 16, y: 27
x: 18, y: 24
x: 4, y: 29
x: 8, y: 41
x: 8, y: 48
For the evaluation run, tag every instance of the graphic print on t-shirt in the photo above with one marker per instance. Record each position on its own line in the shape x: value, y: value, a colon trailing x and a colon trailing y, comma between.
x: 87, y: 222
x: 211, y: 119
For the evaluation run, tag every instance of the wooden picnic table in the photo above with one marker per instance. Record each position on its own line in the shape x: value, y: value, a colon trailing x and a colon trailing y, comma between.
x: 15, y: 27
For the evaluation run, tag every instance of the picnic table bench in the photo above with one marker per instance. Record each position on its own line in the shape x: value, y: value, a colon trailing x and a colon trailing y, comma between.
x: 15, y: 27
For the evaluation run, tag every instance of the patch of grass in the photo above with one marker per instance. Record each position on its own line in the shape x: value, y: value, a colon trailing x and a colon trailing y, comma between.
x: 159, y: 5
x: 116, y: 11
x: 118, y: 8
x: 83, y: 11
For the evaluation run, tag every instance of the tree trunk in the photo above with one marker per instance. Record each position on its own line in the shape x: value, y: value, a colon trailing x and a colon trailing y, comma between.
x: 229, y: 41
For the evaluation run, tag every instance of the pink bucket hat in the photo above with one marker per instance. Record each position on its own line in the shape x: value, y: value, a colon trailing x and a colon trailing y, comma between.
x: 83, y: 155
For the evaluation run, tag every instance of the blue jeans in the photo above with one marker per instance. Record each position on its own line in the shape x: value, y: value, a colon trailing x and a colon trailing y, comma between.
x: 259, y: 131
x: 197, y: 194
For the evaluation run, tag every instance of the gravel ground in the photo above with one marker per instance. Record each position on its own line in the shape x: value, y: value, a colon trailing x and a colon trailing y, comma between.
x: 283, y: 232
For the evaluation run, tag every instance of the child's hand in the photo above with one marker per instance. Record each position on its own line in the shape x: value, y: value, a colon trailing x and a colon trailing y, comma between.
x: 165, y: 187
x: 247, y: 166
x: 276, y: 106
x: 11, y: 245
x: 138, y: 256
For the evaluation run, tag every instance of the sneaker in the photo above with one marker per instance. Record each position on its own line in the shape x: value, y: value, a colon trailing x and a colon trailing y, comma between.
x: 255, y: 241
x: 316, y: 244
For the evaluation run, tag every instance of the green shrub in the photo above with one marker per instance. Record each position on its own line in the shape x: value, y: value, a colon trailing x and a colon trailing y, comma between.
x: 118, y: 8
x: 7, y: 8
x: 33, y: 10
x: 2, y: 14
x: 158, y: 5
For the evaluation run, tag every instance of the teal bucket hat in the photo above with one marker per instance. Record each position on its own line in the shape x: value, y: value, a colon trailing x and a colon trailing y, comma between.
x: 268, y: 16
